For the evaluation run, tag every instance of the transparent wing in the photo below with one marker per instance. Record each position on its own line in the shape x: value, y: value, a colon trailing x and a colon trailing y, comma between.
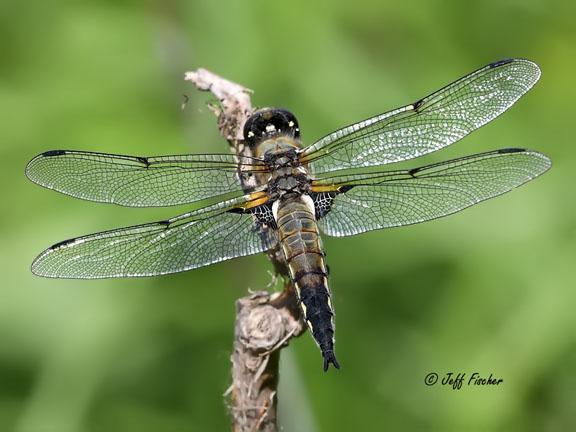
x: 138, y: 181
x: 185, y: 242
x: 395, y: 198
x: 427, y: 125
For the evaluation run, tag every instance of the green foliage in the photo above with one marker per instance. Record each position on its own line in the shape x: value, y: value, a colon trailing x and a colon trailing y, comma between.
x: 488, y: 290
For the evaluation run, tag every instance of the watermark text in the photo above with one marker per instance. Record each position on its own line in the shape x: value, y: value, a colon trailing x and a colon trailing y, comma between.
x: 460, y: 380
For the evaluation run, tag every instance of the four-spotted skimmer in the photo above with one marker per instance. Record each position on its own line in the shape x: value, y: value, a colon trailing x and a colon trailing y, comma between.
x: 297, y: 192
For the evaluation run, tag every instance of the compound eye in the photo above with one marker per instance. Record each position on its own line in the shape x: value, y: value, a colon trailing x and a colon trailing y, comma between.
x: 268, y: 123
x: 289, y: 122
x: 251, y: 130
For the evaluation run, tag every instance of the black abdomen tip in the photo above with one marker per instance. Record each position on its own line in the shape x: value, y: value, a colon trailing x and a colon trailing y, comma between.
x: 329, y: 357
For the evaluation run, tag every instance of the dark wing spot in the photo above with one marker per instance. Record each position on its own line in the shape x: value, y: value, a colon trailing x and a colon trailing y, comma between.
x: 414, y: 171
x: 417, y: 105
x: 264, y: 214
x: 62, y: 244
x: 345, y: 188
x: 143, y: 160
x: 501, y: 62
x: 51, y: 153
x: 238, y: 210
x: 511, y: 150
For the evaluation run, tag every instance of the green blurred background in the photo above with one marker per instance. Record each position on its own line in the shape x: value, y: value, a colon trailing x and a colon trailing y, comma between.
x: 490, y: 290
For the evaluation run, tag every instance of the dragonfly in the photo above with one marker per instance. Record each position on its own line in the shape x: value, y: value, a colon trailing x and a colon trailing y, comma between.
x: 336, y: 186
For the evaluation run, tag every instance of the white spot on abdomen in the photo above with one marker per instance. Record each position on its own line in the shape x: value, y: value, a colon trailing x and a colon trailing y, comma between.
x: 275, y: 206
x: 309, y: 203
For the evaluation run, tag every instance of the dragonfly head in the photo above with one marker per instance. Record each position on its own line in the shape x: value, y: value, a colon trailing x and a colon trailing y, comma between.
x: 267, y: 124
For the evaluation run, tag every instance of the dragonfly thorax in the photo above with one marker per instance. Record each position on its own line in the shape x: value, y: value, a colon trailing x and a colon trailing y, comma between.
x: 287, y: 175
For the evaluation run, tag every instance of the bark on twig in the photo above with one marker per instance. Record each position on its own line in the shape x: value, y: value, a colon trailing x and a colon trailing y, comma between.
x: 264, y: 322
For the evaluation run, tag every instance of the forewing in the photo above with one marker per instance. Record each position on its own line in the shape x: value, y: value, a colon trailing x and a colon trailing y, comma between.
x: 368, y: 202
x: 427, y: 125
x: 139, y: 181
x: 185, y: 242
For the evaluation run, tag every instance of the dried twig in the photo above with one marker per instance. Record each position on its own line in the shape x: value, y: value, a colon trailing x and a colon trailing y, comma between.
x: 264, y: 322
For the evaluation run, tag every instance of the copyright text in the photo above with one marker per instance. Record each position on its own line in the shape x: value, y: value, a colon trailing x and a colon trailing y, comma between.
x: 462, y: 379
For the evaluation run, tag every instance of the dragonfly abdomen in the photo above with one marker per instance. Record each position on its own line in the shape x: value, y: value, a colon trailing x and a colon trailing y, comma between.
x: 302, y: 248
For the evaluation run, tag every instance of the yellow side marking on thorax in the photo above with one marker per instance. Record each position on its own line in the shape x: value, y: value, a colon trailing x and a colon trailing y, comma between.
x: 256, y: 199
x: 325, y: 188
